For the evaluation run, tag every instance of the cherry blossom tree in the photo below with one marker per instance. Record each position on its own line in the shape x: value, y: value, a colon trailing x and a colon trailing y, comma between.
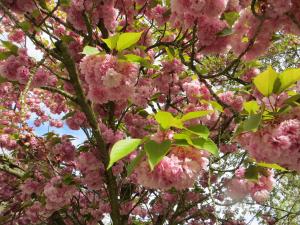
x: 186, y: 112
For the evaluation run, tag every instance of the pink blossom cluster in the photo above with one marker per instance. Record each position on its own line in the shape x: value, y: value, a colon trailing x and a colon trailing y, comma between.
x: 109, y: 135
x: 179, y: 169
x: 77, y: 120
x: 6, y: 186
x: 228, y: 148
x: 159, y: 14
x: 55, y: 102
x: 96, y: 11
x: 143, y: 92
x: 276, y: 142
x: 58, y: 194
x: 250, y: 74
x: 91, y: 169
x: 21, y: 6
x: 276, y: 13
x: 232, y: 100
x: 64, y: 151
x: 29, y: 187
x: 137, y: 125
x: 239, y: 187
x: 108, y: 79
x: 194, y: 90
x: 187, y: 12
x: 18, y: 68
x: 17, y: 36
x: 206, y: 15
x: 168, y: 82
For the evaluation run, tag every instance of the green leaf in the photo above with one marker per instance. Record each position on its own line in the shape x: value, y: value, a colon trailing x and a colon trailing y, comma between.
x: 265, y: 81
x: 25, y: 25
x: 292, y: 100
x: 122, y: 148
x: 184, y: 136
x: 156, y: 151
x: 68, y: 179
x: 127, y: 40
x: 166, y: 120
x: 2, y: 80
x: 170, y: 52
x: 231, y: 17
x: 251, y: 107
x: 67, y: 39
x: 194, y: 115
x: 5, y: 55
x: 288, y: 78
x: 252, y: 173
x: 112, y: 41
x: 10, y: 46
x: 88, y: 50
x: 65, y: 2
x: 43, y: 4
x: 217, y: 106
x: 252, y: 123
x: 207, y: 145
x: 181, y: 142
x: 272, y: 166
x: 132, y: 165
x: 225, y: 32
x: 138, y: 59
x: 200, y: 130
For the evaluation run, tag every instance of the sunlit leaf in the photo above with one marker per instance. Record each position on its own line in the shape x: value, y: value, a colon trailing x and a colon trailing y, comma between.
x: 167, y: 120
x: 127, y: 40
x: 122, y: 148
x: 88, y: 50
x: 156, y: 151
x: 265, y: 81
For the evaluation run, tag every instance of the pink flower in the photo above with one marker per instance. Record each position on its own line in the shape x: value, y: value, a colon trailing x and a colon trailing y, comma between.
x: 261, y: 196
x: 180, y: 169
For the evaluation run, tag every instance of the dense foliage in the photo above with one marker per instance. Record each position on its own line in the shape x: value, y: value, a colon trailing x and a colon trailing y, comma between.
x: 185, y: 112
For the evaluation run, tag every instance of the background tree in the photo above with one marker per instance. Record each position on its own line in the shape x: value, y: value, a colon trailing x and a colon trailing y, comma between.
x: 186, y: 112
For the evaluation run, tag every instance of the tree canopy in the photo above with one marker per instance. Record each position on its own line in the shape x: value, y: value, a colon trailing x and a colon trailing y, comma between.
x: 163, y: 112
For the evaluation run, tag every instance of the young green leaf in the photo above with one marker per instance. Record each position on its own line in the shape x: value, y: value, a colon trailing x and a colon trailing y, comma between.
x: 231, y: 17
x: 183, y: 136
x: 156, y: 151
x: 10, y: 46
x: 200, y: 130
x: 252, y: 123
x: 132, y: 165
x: 112, y: 41
x: 138, y: 59
x: 252, y: 173
x: 207, y: 145
x: 166, y: 120
x: 265, y: 81
x: 127, y: 40
x: 122, y: 148
x: 217, y: 106
x: 25, y: 25
x: 88, y: 50
x: 251, y: 107
x: 225, y: 32
x: 194, y: 115
x: 271, y: 165
x: 288, y: 78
